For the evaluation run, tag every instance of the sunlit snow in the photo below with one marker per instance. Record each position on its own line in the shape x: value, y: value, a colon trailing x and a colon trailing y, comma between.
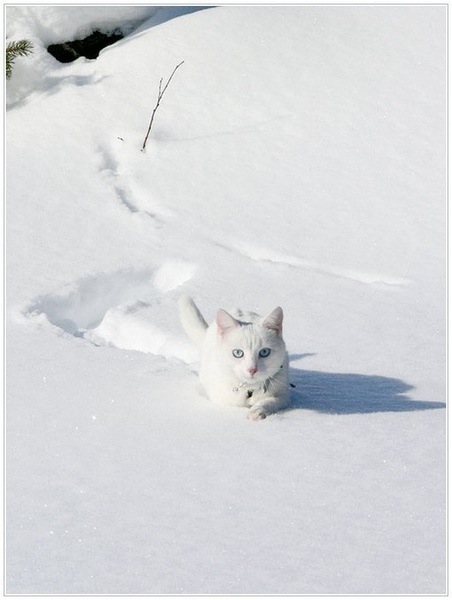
x: 298, y: 158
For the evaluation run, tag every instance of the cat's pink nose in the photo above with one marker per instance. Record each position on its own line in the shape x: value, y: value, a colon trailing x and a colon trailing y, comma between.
x: 252, y: 371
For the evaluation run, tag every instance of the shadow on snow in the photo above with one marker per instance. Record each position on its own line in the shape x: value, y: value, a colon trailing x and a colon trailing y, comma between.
x: 349, y: 393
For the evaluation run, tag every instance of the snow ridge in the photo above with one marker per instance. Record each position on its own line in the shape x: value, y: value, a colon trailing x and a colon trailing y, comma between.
x: 258, y: 253
x: 125, y: 310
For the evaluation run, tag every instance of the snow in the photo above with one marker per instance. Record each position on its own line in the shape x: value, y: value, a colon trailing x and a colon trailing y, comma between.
x: 298, y: 159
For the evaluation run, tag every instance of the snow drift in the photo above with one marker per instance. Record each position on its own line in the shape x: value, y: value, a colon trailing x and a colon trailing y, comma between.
x: 298, y: 159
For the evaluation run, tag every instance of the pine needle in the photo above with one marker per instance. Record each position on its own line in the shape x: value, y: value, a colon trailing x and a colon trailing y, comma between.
x: 13, y: 50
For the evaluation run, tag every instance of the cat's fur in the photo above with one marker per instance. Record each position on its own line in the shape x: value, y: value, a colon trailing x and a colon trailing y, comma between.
x: 243, y: 357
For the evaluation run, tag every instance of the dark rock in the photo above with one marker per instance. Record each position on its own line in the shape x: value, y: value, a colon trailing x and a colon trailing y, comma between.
x: 88, y: 47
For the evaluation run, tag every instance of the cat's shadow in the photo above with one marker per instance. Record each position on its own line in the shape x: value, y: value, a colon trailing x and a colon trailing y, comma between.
x: 350, y: 393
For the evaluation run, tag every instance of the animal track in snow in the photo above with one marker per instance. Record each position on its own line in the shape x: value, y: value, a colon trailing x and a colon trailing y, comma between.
x: 132, y: 310
x: 128, y: 191
x: 268, y: 255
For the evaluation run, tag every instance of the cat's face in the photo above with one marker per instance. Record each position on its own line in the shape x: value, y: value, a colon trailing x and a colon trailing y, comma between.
x: 253, y: 351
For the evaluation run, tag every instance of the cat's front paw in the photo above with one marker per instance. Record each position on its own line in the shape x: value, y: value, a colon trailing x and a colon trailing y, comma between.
x: 256, y: 415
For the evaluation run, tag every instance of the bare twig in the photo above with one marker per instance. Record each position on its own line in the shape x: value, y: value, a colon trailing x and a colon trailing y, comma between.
x: 159, y: 97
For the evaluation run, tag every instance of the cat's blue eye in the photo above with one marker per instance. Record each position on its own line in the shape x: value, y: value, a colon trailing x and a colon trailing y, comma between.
x: 238, y: 353
x: 264, y: 352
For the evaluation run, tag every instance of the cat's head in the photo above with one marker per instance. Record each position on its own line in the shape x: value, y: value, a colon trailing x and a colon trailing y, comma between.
x: 254, y: 351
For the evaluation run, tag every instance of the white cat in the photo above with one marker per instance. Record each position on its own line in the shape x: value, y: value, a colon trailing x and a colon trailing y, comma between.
x: 243, y: 357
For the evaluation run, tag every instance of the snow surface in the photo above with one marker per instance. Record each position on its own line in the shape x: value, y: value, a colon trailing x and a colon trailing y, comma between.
x: 298, y: 159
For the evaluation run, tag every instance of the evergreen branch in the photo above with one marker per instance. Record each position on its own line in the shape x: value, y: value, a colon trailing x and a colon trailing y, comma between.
x: 13, y: 50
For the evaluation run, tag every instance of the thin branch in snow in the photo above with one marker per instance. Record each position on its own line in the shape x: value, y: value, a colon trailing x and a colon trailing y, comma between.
x: 159, y: 97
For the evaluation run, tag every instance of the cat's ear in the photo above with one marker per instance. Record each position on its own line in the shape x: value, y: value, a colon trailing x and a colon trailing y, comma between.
x: 225, y: 322
x: 274, y: 320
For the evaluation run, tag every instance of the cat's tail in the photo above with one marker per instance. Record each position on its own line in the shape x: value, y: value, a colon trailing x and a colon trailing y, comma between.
x: 192, y: 320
